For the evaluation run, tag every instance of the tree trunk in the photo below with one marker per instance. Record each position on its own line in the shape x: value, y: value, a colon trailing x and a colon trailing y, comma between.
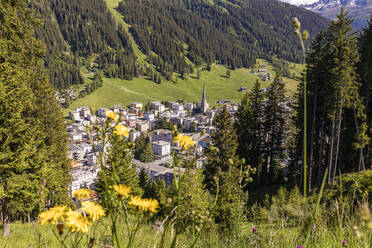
x: 339, y: 119
x: 330, y: 153
x: 6, y: 227
x: 360, y: 150
x: 312, y: 137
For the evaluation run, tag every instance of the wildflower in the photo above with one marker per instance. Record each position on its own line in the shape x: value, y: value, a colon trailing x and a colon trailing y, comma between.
x: 254, y: 230
x: 344, y: 243
x: 305, y: 35
x: 95, y: 211
x: 296, y: 23
x: 149, y: 205
x: 121, y: 130
x: 122, y: 190
x: 83, y: 193
x: 52, y: 215
x: 356, y: 231
x: 185, y: 141
x: 299, y: 246
x: 111, y: 115
x: 77, y: 222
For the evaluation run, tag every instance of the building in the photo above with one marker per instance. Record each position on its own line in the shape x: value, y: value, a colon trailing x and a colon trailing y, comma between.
x: 133, y: 135
x: 188, y: 106
x: 142, y: 126
x: 204, y: 104
x: 149, y: 116
x: 136, y: 105
x: 74, y: 115
x: 162, y: 135
x: 101, y: 112
x: 75, y: 136
x: 161, y: 148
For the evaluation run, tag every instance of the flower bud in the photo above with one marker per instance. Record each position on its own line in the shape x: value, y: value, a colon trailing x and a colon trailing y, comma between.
x: 305, y: 35
x: 296, y: 23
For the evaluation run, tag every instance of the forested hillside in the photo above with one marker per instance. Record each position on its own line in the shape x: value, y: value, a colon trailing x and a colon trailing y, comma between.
x: 73, y: 30
x: 169, y: 33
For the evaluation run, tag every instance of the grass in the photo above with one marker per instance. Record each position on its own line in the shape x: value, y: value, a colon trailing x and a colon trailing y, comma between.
x: 268, y: 235
x: 118, y: 91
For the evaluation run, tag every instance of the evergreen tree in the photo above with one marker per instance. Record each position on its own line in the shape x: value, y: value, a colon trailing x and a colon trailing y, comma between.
x: 336, y: 121
x: 365, y: 73
x: 274, y: 130
x: 148, y: 152
x: 34, y: 170
x: 222, y: 171
x: 119, y: 169
x: 249, y: 127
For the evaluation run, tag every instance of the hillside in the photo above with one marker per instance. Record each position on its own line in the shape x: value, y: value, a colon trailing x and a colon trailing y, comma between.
x: 127, y: 41
x: 118, y: 91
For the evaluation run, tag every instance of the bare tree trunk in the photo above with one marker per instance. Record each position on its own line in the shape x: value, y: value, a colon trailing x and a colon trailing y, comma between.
x: 339, y: 120
x: 330, y: 153
x: 311, y: 146
x: 6, y: 227
x: 360, y: 155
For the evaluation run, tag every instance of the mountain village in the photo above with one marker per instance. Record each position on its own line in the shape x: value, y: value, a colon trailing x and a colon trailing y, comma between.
x: 195, y: 120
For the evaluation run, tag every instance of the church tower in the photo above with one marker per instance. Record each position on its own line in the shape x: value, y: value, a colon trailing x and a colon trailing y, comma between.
x: 204, y: 104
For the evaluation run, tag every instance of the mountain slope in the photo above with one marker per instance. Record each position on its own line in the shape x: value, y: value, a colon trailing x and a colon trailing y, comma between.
x: 173, y: 36
x: 360, y: 9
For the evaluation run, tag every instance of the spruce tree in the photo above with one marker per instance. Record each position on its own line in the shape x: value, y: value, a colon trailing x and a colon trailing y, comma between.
x: 274, y: 130
x: 222, y: 171
x: 33, y: 164
x: 119, y: 168
x: 249, y: 127
x: 365, y: 74
x: 336, y: 120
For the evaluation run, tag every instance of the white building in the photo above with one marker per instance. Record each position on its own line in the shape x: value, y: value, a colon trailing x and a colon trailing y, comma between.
x: 75, y: 136
x: 74, y: 115
x: 133, y: 135
x: 161, y: 148
x: 162, y: 135
x: 188, y: 106
x: 85, y: 112
x: 149, y: 116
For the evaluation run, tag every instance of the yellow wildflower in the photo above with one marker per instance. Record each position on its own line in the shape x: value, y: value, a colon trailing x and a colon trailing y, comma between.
x: 111, y: 115
x: 185, y: 141
x: 95, y: 211
x: 121, y: 130
x: 149, y: 205
x: 77, y: 222
x: 83, y: 193
x: 122, y: 190
x: 52, y: 215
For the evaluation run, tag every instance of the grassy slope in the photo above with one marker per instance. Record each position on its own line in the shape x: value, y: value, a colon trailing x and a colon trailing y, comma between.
x: 117, y: 91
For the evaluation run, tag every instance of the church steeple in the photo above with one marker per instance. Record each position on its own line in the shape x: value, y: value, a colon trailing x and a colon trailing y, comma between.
x: 204, y: 104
